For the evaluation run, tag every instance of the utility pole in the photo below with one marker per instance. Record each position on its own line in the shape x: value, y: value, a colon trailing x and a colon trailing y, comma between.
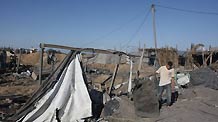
x: 154, y: 27
x: 154, y: 30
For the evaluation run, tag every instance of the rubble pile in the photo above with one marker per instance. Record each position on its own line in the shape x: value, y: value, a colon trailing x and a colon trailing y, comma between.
x: 15, y: 90
x: 18, y: 83
x: 206, y: 77
x: 107, y: 82
x: 145, y: 98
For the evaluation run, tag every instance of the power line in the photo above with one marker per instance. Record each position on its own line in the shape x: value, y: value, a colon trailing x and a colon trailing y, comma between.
x: 189, y: 11
x: 138, y: 29
x: 116, y: 29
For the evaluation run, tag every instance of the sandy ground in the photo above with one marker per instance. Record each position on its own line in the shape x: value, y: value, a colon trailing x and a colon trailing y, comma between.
x: 198, y: 104
x: 33, y: 59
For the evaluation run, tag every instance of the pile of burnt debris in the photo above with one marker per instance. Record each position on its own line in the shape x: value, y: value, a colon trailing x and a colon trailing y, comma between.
x: 15, y: 90
x: 18, y: 79
x: 121, y: 87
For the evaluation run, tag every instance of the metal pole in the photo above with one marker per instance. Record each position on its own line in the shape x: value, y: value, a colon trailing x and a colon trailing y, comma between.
x: 41, y: 63
x: 130, y: 78
x: 141, y: 59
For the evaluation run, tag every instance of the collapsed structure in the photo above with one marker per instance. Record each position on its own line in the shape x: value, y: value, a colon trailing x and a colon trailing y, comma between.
x: 65, y: 99
x: 66, y: 94
x: 103, y: 83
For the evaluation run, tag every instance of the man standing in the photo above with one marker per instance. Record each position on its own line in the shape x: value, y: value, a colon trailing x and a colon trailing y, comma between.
x: 166, y: 78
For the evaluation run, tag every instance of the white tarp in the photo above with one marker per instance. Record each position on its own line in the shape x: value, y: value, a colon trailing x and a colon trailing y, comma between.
x: 69, y: 96
x: 183, y: 79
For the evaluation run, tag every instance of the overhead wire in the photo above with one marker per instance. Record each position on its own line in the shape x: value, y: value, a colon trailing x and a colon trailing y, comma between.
x: 138, y: 29
x: 116, y: 29
x: 186, y: 10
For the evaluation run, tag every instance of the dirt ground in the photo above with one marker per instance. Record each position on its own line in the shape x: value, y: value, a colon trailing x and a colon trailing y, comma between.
x: 197, y: 104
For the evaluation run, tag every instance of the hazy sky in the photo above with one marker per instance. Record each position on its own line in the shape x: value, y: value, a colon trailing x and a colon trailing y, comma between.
x: 120, y: 24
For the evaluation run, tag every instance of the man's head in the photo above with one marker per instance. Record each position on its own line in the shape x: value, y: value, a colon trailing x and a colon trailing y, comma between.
x: 169, y: 65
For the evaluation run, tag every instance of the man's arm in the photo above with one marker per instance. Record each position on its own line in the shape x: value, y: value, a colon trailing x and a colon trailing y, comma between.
x: 158, y: 71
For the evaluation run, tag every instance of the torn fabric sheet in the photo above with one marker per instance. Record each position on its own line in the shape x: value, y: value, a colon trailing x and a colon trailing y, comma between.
x: 68, y: 101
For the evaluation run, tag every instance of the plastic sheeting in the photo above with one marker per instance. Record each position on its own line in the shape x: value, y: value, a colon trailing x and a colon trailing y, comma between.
x: 183, y: 79
x: 68, y: 101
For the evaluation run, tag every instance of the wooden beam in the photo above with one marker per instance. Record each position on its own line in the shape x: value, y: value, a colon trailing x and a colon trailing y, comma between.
x: 41, y: 65
x: 42, y: 45
x: 114, y: 76
x: 82, y: 49
x: 113, y: 79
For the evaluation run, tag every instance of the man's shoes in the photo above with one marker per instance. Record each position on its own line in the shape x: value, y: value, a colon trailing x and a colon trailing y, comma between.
x: 160, y: 104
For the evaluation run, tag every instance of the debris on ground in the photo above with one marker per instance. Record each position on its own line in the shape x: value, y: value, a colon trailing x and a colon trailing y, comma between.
x: 108, y: 90
x: 206, y: 77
